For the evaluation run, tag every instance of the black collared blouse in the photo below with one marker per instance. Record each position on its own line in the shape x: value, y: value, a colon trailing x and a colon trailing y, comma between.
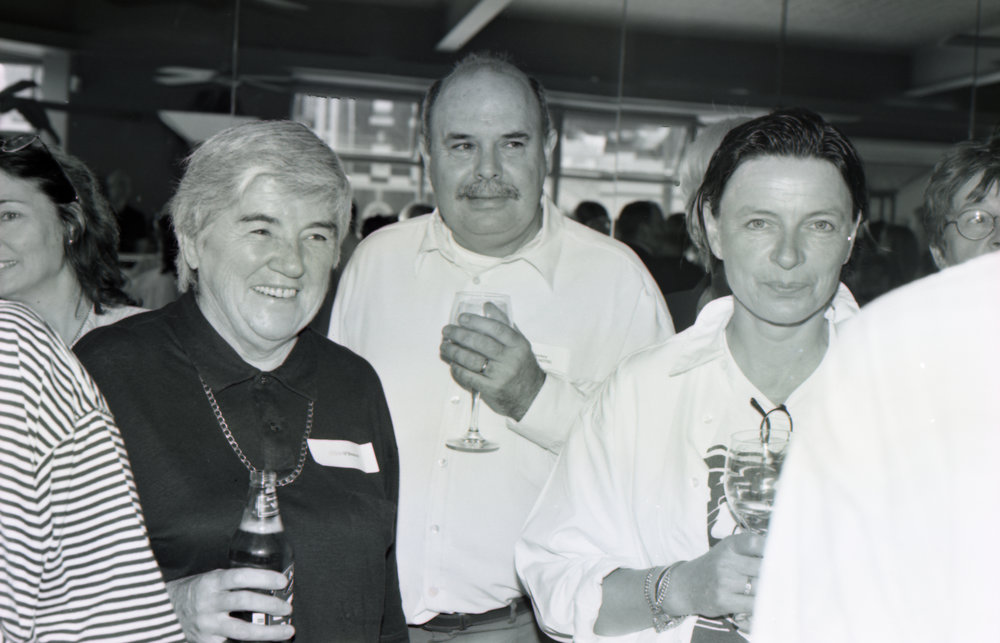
x: 192, y: 484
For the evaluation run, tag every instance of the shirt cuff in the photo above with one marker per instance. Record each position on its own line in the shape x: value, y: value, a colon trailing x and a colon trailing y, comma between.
x: 552, y: 413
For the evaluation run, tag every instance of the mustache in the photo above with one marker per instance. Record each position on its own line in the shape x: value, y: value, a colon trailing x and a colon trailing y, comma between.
x: 489, y: 189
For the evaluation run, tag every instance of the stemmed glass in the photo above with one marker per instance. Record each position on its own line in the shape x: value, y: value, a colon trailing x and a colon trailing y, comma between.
x: 475, y: 303
x: 753, y: 463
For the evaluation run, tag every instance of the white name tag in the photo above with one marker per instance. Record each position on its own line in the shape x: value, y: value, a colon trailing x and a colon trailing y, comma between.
x: 344, y: 454
x: 552, y: 359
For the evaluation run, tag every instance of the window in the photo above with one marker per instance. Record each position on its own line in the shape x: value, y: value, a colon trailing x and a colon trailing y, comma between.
x: 600, y: 158
x: 613, y: 164
x: 377, y: 140
x: 12, y: 120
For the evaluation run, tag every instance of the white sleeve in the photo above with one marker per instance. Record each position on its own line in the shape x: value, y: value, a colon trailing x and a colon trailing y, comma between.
x: 581, y: 528
x: 560, y: 400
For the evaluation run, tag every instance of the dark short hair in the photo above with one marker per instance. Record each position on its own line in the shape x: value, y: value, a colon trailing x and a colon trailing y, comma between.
x: 90, y: 239
x: 587, y: 211
x: 634, y: 216
x: 472, y: 63
x: 795, y: 132
x: 960, y: 164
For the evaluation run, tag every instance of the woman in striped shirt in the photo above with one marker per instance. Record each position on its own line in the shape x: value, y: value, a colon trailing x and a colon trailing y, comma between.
x: 75, y: 563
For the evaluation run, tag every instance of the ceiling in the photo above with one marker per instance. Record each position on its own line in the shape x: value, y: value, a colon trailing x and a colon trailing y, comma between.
x: 899, y: 70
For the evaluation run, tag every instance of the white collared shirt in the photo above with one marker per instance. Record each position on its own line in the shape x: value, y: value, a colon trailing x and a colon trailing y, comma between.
x: 583, y: 300
x: 639, y: 481
x: 883, y: 531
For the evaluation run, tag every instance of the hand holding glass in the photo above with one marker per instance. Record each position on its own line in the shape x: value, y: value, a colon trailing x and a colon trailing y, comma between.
x: 475, y: 303
x: 753, y: 464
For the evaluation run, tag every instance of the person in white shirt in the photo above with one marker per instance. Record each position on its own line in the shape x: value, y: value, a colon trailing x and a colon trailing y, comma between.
x: 961, y: 208
x: 882, y: 528
x: 580, y: 303
x: 632, y: 536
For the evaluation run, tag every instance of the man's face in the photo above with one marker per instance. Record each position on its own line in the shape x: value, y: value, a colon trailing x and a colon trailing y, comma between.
x: 487, y: 160
x: 955, y: 248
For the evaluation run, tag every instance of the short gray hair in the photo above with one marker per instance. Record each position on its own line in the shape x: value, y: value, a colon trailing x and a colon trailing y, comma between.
x: 222, y: 168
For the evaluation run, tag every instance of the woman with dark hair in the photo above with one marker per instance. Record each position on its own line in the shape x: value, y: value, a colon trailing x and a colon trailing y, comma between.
x: 632, y: 536
x: 58, y: 240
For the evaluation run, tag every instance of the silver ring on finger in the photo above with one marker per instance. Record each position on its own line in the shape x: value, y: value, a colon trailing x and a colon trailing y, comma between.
x: 748, y: 588
x: 486, y: 362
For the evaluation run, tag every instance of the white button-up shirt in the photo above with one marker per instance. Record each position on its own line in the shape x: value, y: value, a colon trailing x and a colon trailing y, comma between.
x: 583, y: 300
x: 884, y: 527
x: 639, y: 483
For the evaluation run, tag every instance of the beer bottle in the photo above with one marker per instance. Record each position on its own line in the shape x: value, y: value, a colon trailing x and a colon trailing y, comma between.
x: 260, y: 542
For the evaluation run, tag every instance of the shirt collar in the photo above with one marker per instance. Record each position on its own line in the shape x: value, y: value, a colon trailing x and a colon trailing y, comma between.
x: 541, y: 252
x: 706, y: 340
x: 221, y: 366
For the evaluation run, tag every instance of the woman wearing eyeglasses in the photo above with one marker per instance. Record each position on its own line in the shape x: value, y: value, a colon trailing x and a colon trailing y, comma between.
x: 58, y: 240
x: 632, y: 536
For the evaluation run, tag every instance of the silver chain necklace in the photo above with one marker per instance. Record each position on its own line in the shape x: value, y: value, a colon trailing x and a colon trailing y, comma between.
x: 236, y: 445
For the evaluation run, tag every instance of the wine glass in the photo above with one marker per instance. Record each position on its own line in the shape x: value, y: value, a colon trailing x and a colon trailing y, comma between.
x: 475, y: 303
x: 753, y: 464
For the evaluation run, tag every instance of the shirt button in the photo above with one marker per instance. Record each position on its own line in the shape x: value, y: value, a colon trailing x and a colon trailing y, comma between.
x: 694, y: 482
x: 455, y: 399
x: 276, y: 428
x: 263, y: 379
x: 442, y: 463
x: 435, y: 529
x: 433, y: 591
x: 708, y: 419
x: 476, y: 280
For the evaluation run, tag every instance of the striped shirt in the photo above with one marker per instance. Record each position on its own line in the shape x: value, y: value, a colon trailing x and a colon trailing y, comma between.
x: 75, y: 562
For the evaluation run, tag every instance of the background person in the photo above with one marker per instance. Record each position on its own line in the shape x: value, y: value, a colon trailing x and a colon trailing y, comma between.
x: 134, y: 231
x: 637, y: 496
x: 686, y: 304
x: 593, y: 215
x: 228, y: 379
x: 962, y: 203
x: 75, y: 563
x: 58, y: 240
x: 580, y: 303
x: 878, y: 529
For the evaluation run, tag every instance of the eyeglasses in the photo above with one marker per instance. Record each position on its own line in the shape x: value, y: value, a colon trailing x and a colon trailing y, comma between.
x: 765, y: 422
x: 66, y: 193
x: 975, y: 224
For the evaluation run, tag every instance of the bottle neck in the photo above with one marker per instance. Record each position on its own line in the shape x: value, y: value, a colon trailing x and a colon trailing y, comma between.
x: 261, y: 514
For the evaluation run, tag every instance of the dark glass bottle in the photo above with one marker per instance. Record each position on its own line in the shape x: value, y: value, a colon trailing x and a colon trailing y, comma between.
x: 260, y: 542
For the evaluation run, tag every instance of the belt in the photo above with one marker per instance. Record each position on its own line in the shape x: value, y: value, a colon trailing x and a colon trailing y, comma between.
x: 460, y: 621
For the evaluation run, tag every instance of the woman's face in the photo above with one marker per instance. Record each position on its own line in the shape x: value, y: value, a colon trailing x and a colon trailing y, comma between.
x: 263, y: 267
x: 31, y: 241
x: 783, y: 231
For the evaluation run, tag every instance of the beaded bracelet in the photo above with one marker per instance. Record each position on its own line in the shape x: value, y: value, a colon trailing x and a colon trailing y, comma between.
x: 649, y: 588
x: 656, y: 593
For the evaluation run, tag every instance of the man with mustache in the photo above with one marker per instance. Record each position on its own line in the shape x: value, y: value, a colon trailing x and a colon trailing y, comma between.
x: 580, y: 301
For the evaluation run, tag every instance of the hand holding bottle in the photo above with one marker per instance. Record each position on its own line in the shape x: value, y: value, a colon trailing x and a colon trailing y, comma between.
x: 203, y: 603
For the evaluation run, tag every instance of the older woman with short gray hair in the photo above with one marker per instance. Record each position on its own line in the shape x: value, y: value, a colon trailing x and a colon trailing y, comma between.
x: 229, y: 380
